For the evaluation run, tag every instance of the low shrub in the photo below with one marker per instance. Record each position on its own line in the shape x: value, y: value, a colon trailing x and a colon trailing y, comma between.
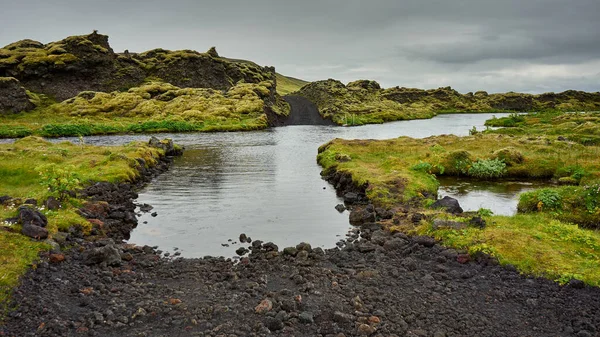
x: 487, y: 168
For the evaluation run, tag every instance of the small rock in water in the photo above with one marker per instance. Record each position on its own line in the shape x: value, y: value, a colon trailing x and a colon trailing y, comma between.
x: 243, y: 237
x: 154, y: 214
x: 241, y: 251
x: 340, y: 208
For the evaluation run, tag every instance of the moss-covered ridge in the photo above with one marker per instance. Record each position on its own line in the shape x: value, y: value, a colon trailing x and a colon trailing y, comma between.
x: 151, y: 107
x: 364, y: 101
x: 543, y: 239
x: 63, y: 69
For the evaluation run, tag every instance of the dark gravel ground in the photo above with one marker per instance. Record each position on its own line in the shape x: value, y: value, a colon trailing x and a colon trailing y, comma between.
x: 381, y: 285
x: 378, y: 284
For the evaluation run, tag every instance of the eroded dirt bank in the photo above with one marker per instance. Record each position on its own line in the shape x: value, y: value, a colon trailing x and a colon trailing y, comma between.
x: 379, y: 284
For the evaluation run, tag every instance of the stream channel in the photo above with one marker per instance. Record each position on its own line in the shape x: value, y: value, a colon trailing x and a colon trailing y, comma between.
x: 267, y: 184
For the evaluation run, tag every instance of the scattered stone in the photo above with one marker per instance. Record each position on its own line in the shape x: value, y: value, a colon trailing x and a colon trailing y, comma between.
x: 154, y: 214
x: 366, y: 330
x: 270, y: 247
x: 304, y: 246
x: 243, y: 238
x: 340, y: 208
x: 31, y: 202
x: 274, y: 324
x: 350, y: 198
x: 306, y: 317
x: 5, y: 199
x: 145, y: 208
x: 425, y: 241
x: 264, y: 306
x: 359, y: 216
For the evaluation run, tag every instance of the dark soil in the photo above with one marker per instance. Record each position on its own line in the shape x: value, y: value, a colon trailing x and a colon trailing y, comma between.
x: 378, y: 284
x: 304, y: 112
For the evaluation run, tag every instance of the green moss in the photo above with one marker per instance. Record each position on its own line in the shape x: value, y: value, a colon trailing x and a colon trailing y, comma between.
x: 287, y: 85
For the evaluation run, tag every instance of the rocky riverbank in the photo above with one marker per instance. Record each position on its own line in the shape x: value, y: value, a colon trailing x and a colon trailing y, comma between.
x: 378, y: 284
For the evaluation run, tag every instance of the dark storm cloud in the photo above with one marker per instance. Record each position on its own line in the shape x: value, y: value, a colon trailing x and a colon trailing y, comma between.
x: 526, y: 45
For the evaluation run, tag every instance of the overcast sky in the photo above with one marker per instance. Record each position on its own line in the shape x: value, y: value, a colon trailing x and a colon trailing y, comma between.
x: 501, y: 45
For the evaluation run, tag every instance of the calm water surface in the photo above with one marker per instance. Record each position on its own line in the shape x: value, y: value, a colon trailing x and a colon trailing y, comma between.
x: 265, y: 184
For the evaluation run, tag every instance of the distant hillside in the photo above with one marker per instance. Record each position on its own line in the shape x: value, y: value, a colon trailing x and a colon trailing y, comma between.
x: 285, y: 84
x: 364, y: 101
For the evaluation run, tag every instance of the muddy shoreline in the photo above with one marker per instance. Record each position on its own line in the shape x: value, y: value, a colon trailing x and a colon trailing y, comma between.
x: 378, y: 284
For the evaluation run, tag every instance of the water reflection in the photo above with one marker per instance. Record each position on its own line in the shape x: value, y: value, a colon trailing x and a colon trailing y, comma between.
x: 501, y: 197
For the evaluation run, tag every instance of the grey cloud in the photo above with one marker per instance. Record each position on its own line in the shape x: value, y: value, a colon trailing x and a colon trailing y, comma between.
x: 468, y: 44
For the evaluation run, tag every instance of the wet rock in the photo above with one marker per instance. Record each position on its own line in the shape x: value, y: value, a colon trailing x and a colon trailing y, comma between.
x: 350, y: 198
x: 30, y: 216
x: 270, y: 247
x: 361, y: 216
x: 108, y: 254
x: 146, y: 208
x: 256, y: 244
x: 340, y: 208
x: 33, y: 231
x: 241, y: 251
x: 449, y: 204
x: 243, y: 238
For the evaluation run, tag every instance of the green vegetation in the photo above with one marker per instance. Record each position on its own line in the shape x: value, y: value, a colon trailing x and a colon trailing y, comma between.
x: 583, y: 128
x: 152, y: 107
x: 364, y: 101
x: 544, y: 239
x: 287, y: 85
x: 34, y: 168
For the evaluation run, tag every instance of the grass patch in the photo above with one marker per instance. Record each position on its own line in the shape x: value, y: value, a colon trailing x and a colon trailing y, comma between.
x: 152, y: 107
x: 287, y: 85
x: 535, y: 244
x: 20, y: 164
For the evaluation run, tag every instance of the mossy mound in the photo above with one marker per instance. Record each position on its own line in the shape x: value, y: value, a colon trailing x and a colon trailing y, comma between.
x: 365, y: 101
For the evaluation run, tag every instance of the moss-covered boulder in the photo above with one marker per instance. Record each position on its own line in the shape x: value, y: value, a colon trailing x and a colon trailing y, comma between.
x: 13, y: 97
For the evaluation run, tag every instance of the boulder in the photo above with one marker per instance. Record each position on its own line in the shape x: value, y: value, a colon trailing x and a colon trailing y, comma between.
x: 449, y: 204
x: 30, y: 216
x: 361, y: 216
x: 34, y: 231
x: 13, y: 97
x: 108, y: 254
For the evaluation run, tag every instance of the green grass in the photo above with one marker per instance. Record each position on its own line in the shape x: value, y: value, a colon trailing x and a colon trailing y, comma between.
x: 287, y: 85
x: 541, y: 240
x: 535, y: 244
x: 20, y: 163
